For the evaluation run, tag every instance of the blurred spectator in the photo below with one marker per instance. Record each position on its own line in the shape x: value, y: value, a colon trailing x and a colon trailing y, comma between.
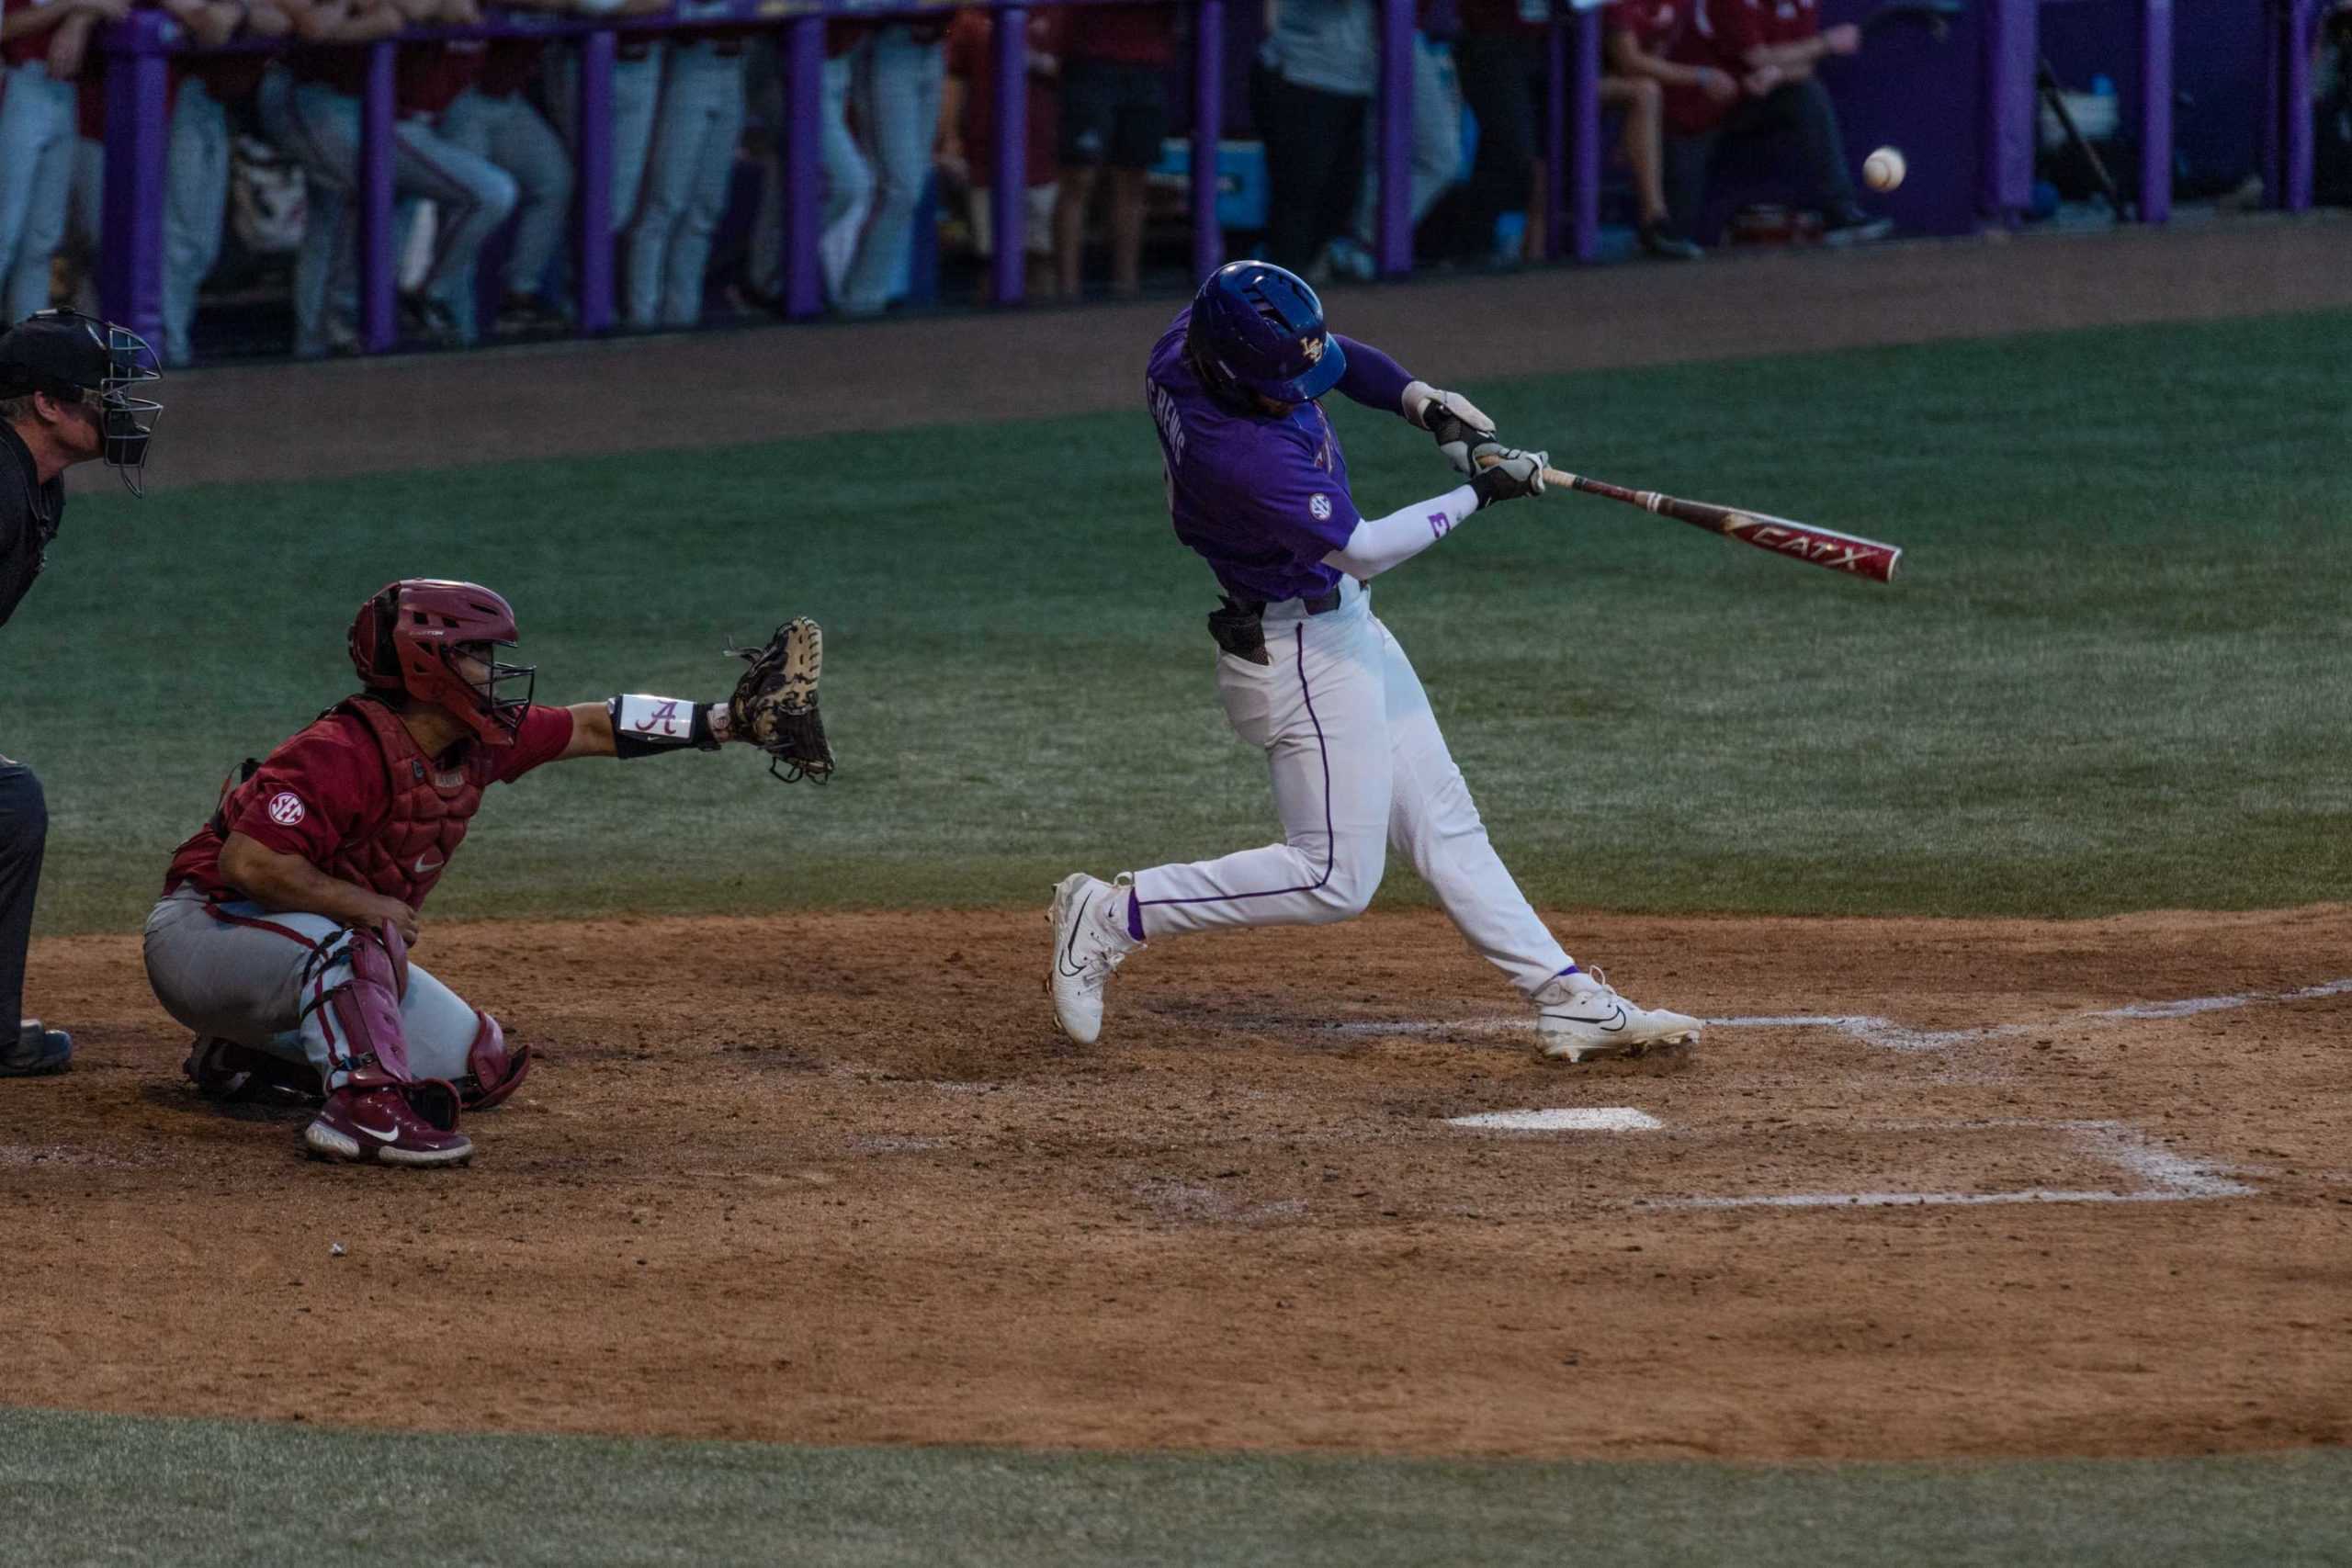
x: 1641, y: 33
x: 637, y: 97
x: 196, y: 171
x: 1771, y: 48
x: 2332, y: 109
x: 494, y: 119
x: 1435, y: 148
x: 891, y: 78
x: 1114, y: 114
x: 1312, y: 97
x: 968, y: 133
x: 849, y: 178
x: 317, y: 118
x: 43, y: 47
x: 687, y: 176
x: 1504, y: 57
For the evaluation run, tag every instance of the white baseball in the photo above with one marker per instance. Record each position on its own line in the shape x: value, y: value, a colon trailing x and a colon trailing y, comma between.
x: 1883, y: 169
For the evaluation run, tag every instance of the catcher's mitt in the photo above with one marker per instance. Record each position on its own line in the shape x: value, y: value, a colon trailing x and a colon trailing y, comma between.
x: 774, y: 705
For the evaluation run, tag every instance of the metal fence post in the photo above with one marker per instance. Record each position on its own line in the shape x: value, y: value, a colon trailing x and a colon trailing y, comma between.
x: 593, y: 116
x: 379, y: 237
x: 2294, y: 105
x: 1394, y: 107
x: 2004, y: 187
x: 1209, y: 122
x: 804, y: 93
x: 1583, y: 145
x: 131, y: 263
x: 1009, y: 157
x: 2155, y: 111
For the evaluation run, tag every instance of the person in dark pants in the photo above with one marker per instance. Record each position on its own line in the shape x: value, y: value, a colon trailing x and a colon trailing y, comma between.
x: 1113, y: 114
x: 65, y: 383
x: 1312, y: 94
x: 1771, y: 47
x: 1503, y: 56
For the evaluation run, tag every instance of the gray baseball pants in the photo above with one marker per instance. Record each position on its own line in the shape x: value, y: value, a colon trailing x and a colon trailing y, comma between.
x: 232, y: 971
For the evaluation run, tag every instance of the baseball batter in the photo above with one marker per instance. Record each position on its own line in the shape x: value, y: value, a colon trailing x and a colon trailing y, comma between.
x: 282, y: 937
x: 1258, y: 487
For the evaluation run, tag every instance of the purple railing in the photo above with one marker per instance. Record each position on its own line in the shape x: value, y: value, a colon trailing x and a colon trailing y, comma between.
x: 141, y: 49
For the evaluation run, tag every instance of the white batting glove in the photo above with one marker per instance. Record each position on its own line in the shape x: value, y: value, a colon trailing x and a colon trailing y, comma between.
x: 1464, y: 432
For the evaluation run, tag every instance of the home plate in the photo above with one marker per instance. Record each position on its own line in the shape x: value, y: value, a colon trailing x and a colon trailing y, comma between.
x: 1576, y: 1119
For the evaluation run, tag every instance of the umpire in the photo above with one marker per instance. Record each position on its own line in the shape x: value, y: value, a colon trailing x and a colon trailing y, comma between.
x: 65, y: 381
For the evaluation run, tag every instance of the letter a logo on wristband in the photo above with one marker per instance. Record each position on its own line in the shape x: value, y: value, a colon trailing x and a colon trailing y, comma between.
x: 286, y: 808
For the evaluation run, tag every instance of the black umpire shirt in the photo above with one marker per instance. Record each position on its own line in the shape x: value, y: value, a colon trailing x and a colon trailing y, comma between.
x: 29, y: 516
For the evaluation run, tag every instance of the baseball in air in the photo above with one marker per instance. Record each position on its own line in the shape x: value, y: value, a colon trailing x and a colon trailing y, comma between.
x: 1883, y: 169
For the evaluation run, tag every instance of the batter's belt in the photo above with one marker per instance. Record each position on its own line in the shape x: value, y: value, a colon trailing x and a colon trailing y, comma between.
x: 1239, y: 628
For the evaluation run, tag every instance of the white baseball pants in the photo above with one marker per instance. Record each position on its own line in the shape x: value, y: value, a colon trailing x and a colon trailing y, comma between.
x: 1358, y: 766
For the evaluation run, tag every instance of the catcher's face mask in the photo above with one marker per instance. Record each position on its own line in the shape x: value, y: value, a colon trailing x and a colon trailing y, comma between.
x: 498, y: 707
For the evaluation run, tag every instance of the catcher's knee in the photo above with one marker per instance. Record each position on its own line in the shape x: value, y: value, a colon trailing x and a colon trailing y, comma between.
x: 494, y: 1069
x: 358, y: 1016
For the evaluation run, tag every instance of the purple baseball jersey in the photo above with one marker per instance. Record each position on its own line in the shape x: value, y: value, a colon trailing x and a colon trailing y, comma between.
x: 1261, y: 500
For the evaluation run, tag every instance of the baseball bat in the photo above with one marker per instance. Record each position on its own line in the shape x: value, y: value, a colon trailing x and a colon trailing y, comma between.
x: 1802, y: 541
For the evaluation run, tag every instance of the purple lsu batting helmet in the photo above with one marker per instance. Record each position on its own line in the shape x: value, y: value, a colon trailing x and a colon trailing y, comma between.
x: 1259, y: 329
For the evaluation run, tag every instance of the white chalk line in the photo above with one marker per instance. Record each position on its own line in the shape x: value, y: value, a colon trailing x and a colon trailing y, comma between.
x: 1886, y: 1032
x: 1566, y: 1119
x: 2169, y: 1177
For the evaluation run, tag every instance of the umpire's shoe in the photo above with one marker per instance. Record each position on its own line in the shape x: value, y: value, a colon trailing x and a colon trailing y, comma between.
x: 37, y: 1052
x: 1580, y: 1018
x: 381, y: 1124
x: 1090, y: 939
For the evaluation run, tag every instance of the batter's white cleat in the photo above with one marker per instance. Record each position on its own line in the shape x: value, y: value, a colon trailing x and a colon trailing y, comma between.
x: 1580, y: 1017
x: 1090, y: 921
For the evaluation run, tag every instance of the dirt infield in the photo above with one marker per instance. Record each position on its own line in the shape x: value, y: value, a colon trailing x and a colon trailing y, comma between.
x: 1925, y: 1190
x: 783, y: 1179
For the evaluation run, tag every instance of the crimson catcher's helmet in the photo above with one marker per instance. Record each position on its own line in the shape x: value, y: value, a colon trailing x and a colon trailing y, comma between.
x: 410, y: 634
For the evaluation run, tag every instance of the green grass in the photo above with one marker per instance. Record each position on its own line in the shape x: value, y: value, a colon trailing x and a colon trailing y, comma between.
x: 86, y: 1489
x: 2112, y: 678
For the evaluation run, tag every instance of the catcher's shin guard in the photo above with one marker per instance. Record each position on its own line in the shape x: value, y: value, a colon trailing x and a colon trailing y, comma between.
x: 358, y: 1020
x: 493, y: 1070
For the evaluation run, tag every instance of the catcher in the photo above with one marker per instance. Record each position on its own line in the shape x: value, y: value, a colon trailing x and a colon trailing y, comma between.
x: 282, y: 937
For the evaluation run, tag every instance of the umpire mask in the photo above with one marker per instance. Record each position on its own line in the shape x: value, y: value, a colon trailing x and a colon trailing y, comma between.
x: 73, y: 356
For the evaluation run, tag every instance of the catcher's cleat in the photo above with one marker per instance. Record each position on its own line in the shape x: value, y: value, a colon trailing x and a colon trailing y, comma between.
x: 224, y: 1071
x: 1580, y: 1018
x: 380, y: 1123
x: 1089, y: 918
x: 37, y: 1052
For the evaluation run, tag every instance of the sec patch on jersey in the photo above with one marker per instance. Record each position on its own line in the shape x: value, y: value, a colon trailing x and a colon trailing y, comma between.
x: 1320, y: 505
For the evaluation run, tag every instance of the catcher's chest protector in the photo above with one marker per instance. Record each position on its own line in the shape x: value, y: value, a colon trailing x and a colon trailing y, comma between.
x: 406, y: 854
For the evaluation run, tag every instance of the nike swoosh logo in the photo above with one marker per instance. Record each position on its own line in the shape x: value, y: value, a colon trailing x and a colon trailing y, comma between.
x: 392, y: 1136
x: 1611, y: 1024
x: 1076, y: 925
x: 424, y: 870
